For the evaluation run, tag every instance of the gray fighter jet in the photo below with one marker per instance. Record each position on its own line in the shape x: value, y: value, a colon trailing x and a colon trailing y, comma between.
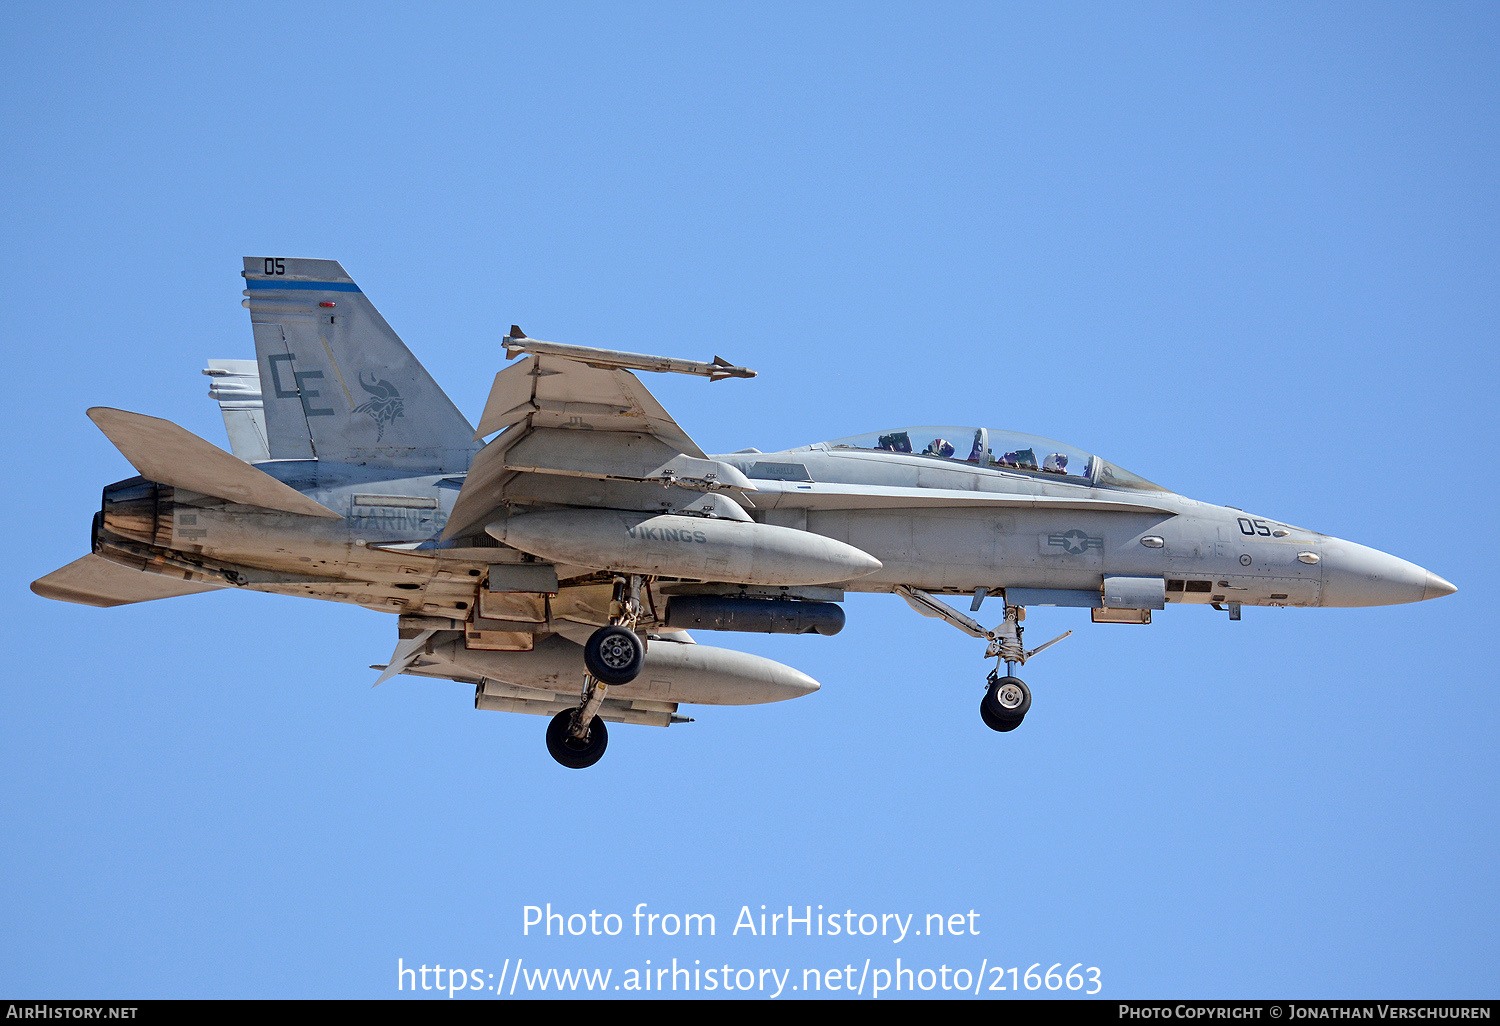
x: 558, y: 568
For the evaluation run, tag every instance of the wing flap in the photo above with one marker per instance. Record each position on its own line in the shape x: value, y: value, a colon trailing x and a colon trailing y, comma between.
x: 483, y: 490
x: 172, y: 455
x: 95, y: 581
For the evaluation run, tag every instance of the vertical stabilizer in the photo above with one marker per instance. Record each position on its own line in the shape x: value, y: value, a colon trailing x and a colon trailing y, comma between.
x: 337, y: 383
x: 236, y: 386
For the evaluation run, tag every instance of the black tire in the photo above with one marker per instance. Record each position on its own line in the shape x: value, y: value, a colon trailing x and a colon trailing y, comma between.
x: 994, y: 722
x: 567, y: 749
x: 614, y: 655
x: 1005, y: 703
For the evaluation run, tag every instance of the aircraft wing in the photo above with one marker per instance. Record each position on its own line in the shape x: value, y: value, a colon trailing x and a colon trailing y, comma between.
x: 581, y: 435
x: 556, y: 392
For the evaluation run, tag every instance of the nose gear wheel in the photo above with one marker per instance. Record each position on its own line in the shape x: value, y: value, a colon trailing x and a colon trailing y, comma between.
x: 1005, y: 703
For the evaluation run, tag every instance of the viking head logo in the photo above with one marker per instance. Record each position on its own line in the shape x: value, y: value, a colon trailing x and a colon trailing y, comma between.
x: 386, y: 405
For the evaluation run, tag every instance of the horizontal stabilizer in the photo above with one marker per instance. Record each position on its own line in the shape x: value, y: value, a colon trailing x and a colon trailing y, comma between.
x: 95, y: 581
x: 172, y: 455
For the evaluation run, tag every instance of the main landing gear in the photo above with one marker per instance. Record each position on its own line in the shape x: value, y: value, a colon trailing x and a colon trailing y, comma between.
x: 612, y: 655
x: 573, y: 748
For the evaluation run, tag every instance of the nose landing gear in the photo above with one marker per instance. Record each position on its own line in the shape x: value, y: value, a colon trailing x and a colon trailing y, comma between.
x: 1007, y: 698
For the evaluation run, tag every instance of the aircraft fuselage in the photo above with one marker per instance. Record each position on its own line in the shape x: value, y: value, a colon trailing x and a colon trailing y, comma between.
x: 1206, y: 553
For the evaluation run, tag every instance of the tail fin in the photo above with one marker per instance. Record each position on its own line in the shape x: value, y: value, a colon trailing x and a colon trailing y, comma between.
x: 337, y: 383
x: 236, y: 386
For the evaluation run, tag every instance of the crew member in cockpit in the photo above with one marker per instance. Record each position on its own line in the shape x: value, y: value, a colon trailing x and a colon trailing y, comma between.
x: 976, y: 452
x: 939, y: 447
x: 1021, y: 459
x: 1056, y: 463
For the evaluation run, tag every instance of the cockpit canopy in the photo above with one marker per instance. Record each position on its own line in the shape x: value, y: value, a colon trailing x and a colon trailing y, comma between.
x: 1000, y: 450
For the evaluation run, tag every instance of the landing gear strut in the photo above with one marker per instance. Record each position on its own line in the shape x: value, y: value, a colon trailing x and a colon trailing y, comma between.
x: 576, y: 737
x: 612, y: 655
x: 1007, y: 699
x: 615, y: 654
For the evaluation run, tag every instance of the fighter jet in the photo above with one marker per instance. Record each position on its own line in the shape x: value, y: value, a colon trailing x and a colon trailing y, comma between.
x: 559, y: 567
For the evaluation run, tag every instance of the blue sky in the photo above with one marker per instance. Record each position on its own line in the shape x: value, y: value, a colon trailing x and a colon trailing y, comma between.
x: 1246, y: 251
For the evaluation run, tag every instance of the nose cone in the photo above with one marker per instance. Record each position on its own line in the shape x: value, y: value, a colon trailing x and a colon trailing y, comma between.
x: 1437, y: 587
x: 796, y: 683
x: 1357, y: 575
